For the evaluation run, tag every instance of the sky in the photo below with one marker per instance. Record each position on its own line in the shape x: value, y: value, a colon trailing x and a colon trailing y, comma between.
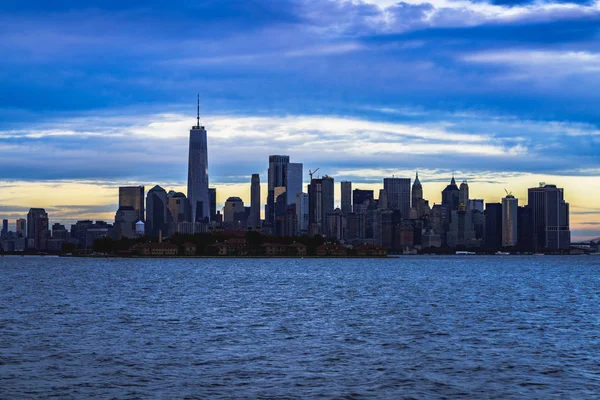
x: 98, y: 94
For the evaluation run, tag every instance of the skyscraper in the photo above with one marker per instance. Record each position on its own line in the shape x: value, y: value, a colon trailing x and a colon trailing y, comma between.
x: 558, y: 234
x: 212, y: 199
x: 450, y: 198
x: 277, y: 178
x: 198, y: 172
x: 132, y: 196
x: 463, y: 194
x: 315, y: 206
x: 346, y: 188
x: 328, y: 198
x: 302, y: 213
x: 510, y: 207
x: 255, y: 201
x: 21, y: 227
x: 361, y: 200
x: 156, y: 212
x: 4, y: 232
x: 550, y: 217
x: 398, y: 192
x: 493, y: 226
x: 293, y: 182
x: 37, y: 228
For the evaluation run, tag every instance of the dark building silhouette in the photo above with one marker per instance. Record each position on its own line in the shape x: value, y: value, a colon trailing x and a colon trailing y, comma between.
x: 525, y: 228
x: 37, y: 228
x: 277, y: 178
x: 346, y: 191
x: 450, y: 197
x: 493, y: 226
x: 212, y: 198
x: 361, y: 199
x: 254, y: 221
x: 550, y: 218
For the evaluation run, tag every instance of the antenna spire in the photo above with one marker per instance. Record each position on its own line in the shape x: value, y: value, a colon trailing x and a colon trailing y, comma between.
x: 198, y: 115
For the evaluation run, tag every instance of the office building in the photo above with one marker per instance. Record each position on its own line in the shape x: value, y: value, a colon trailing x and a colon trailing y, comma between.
x: 4, y: 232
x: 212, y: 199
x: 37, y: 228
x: 463, y: 195
x: 157, y: 212
x: 132, y: 196
x: 293, y: 182
x: 510, y: 220
x: 550, y: 218
x: 451, y: 196
x: 302, y: 213
x: 21, y: 227
x: 234, y: 214
x: 346, y: 191
x: 277, y: 175
x: 126, y: 218
x: 198, y: 173
x: 361, y: 200
x: 493, y: 226
x: 398, y: 195
x: 255, y: 202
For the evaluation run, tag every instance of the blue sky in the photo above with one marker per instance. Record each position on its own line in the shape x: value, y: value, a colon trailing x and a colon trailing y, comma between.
x: 500, y: 92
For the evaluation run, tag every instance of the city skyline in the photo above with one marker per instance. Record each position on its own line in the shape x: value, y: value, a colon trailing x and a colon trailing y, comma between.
x: 362, y: 90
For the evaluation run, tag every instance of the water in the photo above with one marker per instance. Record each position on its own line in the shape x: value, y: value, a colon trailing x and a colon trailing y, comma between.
x: 413, y: 327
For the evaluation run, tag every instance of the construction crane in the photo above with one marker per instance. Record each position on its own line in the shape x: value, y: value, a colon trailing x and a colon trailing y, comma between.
x: 508, y: 193
x: 311, y: 173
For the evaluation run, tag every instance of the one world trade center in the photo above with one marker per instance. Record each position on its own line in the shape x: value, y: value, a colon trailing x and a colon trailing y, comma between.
x: 197, y: 189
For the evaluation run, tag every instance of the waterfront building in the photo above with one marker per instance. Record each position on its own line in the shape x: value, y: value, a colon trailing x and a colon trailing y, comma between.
x: 197, y: 185
x: 212, y: 199
x: 525, y: 226
x: 4, y: 232
x: 132, y: 196
x: 398, y: 194
x: 302, y: 213
x: 346, y: 191
x: 460, y: 230
x: 277, y: 175
x: 315, y: 206
x: 255, y: 202
x: 21, y: 227
x: 550, y: 217
x: 125, y: 219
x: 334, y: 224
x: 234, y: 213
x: 157, y: 212
x: 328, y: 188
x: 510, y: 206
x: 179, y: 210
x: 493, y: 226
x: 37, y: 228
x: 293, y: 182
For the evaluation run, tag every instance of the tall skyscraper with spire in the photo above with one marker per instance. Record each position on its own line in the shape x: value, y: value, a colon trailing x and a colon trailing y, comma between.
x: 198, y: 172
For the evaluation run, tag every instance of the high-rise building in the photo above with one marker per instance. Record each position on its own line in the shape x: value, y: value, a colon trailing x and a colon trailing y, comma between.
x: 293, y: 182
x: 361, y: 200
x: 476, y: 205
x: 132, y: 196
x: 234, y: 213
x: 510, y: 207
x: 558, y: 233
x: 21, y: 227
x: 277, y: 178
x: 382, y: 200
x: 179, y: 212
x: 315, y: 206
x: 398, y: 193
x: 463, y: 194
x: 37, y: 228
x: 212, y: 199
x: 4, y: 232
x: 157, y: 212
x: 525, y: 229
x: 346, y: 189
x: 328, y: 188
x: 420, y: 206
x: 198, y: 172
x: 461, y: 232
x: 550, y: 217
x: 493, y: 226
x: 126, y: 218
x: 450, y: 196
x: 255, y: 202
x: 302, y: 213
